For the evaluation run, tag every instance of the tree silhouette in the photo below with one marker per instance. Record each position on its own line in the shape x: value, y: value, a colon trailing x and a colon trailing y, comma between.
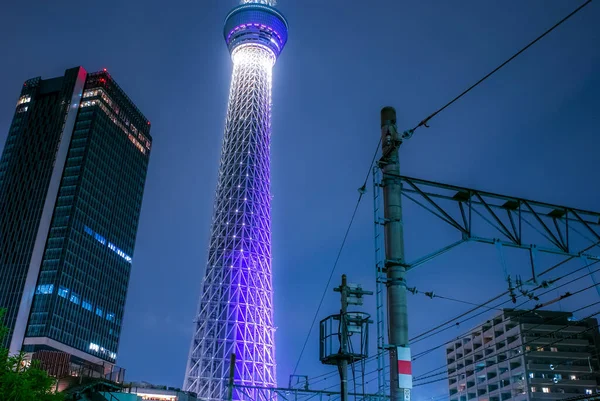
x: 21, y: 380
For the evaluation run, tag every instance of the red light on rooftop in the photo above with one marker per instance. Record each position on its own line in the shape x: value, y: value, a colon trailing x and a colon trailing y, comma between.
x: 102, y: 80
x: 148, y: 122
x: 104, y: 69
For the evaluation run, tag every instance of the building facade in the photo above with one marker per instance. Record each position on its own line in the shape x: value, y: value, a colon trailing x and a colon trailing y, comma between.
x: 235, y: 311
x: 525, y: 356
x: 72, y: 178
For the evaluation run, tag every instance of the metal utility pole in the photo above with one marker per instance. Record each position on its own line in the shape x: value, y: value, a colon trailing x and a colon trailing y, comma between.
x: 343, y: 364
x: 400, y: 361
x: 348, y: 324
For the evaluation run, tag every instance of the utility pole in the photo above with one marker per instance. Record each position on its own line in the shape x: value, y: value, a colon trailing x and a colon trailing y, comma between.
x: 348, y: 324
x: 343, y: 364
x: 400, y: 360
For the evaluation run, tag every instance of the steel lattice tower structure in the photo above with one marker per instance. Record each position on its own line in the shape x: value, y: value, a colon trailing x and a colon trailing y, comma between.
x: 235, y: 312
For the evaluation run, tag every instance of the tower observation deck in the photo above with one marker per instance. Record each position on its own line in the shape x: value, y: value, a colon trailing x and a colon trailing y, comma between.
x: 235, y: 312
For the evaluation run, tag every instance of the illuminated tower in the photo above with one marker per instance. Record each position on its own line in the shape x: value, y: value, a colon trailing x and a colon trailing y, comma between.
x: 235, y: 312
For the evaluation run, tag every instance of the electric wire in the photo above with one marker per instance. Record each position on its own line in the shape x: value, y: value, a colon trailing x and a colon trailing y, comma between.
x: 515, y: 356
x: 361, y: 192
x: 432, y: 295
x: 439, y: 328
x: 423, y: 353
x: 325, y: 376
x: 422, y: 377
x: 424, y: 122
x: 417, y: 356
x: 519, y: 355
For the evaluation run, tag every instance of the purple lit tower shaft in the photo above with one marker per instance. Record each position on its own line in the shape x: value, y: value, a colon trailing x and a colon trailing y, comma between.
x: 235, y: 314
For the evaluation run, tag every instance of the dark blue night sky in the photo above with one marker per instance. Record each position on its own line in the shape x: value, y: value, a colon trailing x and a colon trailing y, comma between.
x: 530, y: 131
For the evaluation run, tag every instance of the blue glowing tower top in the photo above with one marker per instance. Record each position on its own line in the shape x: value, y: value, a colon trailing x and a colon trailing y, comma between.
x: 255, y: 24
x: 235, y: 312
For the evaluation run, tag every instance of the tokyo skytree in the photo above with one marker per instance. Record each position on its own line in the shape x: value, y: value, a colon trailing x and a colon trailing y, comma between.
x: 235, y: 312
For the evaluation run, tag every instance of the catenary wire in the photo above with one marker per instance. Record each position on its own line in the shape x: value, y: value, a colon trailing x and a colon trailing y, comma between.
x: 526, y: 352
x: 424, y: 376
x: 361, y: 192
x: 426, y: 120
x: 420, y: 354
x: 439, y: 328
x: 515, y: 356
x: 417, y: 356
x: 424, y: 123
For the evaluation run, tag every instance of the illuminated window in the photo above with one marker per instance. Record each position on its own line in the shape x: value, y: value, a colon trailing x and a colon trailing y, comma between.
x: 119, y: 252
x: 528, y: 348
x: 99, y: 312
x: 588, y: 391
x: 572, y: 377
x: 533, y: 390
x: 108, y: 101
x: 110, y: 317
x: 63, y: 291
x: 75, y: 298
x: 553, y: 349
x: 24, y: 99
x: 540, y: 349
x: 100, y: 239
x: 94, y: 347
x: 545, y: 389
x: 531, y: 375
x: 45, y: 289
x: 86, y: 305
x: 88, y: 230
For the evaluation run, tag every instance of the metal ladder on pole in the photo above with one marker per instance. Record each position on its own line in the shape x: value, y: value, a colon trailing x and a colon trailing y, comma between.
x: 381, y: 278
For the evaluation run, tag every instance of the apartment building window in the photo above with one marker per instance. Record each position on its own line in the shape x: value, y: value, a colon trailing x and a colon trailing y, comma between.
x: 572, y: 377
x: 533, y: 389
x: 588, y: 391
x: 545, y: 389
x: 553, y: 349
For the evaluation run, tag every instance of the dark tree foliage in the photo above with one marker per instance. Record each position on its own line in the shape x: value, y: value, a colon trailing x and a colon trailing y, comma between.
x: 21, y: 381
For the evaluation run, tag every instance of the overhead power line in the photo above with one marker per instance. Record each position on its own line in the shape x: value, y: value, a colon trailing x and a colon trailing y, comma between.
x: 440, y: 327
x: 521, y: 345
x: 361, y: 192
x: 519, y: 355
x: 424, y: 122
x: 423, y: 353
x: 427, y: 374
x: 325, y: 376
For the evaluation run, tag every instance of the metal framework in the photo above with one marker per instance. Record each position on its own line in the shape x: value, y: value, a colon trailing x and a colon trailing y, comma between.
x: 488, y: 218
x: 235, y: 312
x: 504, y: 221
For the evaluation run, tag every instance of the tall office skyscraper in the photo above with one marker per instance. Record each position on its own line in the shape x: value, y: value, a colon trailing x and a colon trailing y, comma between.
x: 72, y: 177
x: 235, y: 313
